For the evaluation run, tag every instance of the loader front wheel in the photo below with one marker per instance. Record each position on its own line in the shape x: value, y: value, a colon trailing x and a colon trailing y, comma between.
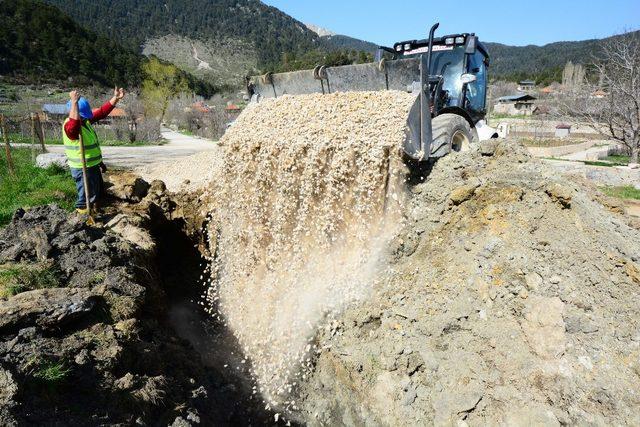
x: 451, y: 132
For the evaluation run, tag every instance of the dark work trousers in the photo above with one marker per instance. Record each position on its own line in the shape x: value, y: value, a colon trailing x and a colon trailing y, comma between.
x: 94, y: 177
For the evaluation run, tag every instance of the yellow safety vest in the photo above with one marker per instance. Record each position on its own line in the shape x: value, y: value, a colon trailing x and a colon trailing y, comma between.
x: 92, y: 152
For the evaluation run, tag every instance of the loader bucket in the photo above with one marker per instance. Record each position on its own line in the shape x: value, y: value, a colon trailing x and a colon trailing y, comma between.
x: 402, y: 74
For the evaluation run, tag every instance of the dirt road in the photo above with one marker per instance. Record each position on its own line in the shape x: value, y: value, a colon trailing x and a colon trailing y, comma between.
x: 178, y: 146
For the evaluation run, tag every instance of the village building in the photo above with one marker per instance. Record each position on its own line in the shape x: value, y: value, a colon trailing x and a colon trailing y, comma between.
x: 563, y: 130
x: 54, y: 112
x: 515, y: 105
x: 526, y: 86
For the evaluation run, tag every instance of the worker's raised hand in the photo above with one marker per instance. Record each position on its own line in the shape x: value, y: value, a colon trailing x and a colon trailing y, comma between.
x: 75, y: 96
x: 118, y: 93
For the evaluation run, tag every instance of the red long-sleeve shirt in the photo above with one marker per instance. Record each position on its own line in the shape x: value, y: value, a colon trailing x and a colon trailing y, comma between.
x: 72, y: 127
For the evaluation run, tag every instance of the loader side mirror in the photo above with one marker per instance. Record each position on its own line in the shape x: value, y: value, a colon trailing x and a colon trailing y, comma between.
x: 468, y: 78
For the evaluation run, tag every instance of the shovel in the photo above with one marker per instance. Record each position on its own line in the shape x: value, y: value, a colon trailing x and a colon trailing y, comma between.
x: 85, y: 180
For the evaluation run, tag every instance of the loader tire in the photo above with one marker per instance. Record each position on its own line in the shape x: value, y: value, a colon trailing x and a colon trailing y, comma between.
x: 451, y: 132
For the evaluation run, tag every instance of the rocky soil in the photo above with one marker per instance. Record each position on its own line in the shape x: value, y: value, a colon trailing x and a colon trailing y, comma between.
x: 511, y: 298
x: 85, y: 333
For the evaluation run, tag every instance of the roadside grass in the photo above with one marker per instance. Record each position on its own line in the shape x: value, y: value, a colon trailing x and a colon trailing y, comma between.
x: 32, y: 186
x: 549, y: 142
x: 16, y: 138
x: 18, y: 278
x: 622, y: 192
x: 603, y: 163
x: 619, y: 159
x: 186, y: 132
x: 508, y: 116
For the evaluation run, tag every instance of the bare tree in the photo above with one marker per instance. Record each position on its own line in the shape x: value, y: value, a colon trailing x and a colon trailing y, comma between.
x: 136, y: 127
x: 612, y: 106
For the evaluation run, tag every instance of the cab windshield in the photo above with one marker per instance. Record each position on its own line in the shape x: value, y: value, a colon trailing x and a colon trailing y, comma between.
x: 448, y: 62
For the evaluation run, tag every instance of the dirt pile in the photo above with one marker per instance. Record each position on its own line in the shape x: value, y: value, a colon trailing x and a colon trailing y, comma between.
x: 306, y: 200
x: 84, y: 334
x: 512, y: 298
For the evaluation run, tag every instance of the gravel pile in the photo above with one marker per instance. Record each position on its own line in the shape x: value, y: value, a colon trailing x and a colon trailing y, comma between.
x: 299, y: 218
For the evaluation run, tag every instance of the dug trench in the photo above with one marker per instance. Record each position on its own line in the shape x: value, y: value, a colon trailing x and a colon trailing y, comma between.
x: 115, y: 336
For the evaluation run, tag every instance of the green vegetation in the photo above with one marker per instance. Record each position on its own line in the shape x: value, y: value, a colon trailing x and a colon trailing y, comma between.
x: 161, y: 83
x: 271, y: 31
x: 313, y: 58
x: 618, y: 159
x: 622, y: 192
x: 52, y: 372
x: 18, y: 278
x: 495, y: 116
x: 38, y: 43
x: 36, y: 37
x: 549, y: 142
x: 32, y: 186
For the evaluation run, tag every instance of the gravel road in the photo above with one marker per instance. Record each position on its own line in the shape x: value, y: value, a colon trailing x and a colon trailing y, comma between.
x: 177, y: 147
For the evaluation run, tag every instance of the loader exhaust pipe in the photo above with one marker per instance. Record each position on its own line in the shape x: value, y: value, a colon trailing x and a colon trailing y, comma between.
x: 426, y: 132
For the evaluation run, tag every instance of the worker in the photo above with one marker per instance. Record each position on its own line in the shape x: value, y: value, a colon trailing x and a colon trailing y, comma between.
x: 79, y: 122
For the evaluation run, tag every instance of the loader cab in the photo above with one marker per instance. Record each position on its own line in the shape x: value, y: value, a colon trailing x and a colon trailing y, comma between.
x: 459, y: 69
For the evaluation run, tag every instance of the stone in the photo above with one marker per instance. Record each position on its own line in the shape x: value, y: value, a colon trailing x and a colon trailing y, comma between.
x: 531, y: 414
x: 463, y: 193
x: 129, y: 188
x: 544, y: 327
x: 46, y: 160
x: 46, y: 308
x: 488, y: 147
x: 533, y: 281
x: 410, y: 395
x: 560, y: 194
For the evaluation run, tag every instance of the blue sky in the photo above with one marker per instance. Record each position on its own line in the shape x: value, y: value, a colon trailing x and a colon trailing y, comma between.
x: 510, y: 22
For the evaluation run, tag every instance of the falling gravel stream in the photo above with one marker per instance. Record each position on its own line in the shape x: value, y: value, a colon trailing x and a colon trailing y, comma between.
x: 307, y: 198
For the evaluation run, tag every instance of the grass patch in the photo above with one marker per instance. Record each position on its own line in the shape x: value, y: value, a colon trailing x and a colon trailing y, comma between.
x: 622, y: 192
x: 18, y: 278
x: 32, y: 186
x: 51, y: 372
x: 499, y: 116
x: 549, y: 142
x: 618, y: 159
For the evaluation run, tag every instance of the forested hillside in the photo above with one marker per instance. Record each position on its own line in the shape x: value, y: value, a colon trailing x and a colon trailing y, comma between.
x: 37, y: 41
x: 271, y: 31
x: 220, y: 40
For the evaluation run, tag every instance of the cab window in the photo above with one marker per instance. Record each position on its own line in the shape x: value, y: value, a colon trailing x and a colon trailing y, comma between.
x: 476, y: 91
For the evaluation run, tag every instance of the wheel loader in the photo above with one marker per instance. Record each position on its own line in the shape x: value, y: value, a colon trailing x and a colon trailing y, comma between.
x: 447, y: 74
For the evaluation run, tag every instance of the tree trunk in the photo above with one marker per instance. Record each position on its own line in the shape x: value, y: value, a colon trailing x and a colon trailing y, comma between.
x: 635, y: 153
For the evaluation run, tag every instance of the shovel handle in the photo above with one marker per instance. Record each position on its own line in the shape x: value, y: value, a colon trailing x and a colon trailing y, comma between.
x: 85, y: 177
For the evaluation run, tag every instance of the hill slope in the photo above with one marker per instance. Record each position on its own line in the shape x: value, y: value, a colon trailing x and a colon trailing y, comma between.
x: 271, y: 31
x: 59, y: 48
x: 221, y: 40
x: 217, y: 40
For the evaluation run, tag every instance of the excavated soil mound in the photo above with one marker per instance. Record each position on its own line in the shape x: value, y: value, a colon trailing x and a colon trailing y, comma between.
x: 512, y: 299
